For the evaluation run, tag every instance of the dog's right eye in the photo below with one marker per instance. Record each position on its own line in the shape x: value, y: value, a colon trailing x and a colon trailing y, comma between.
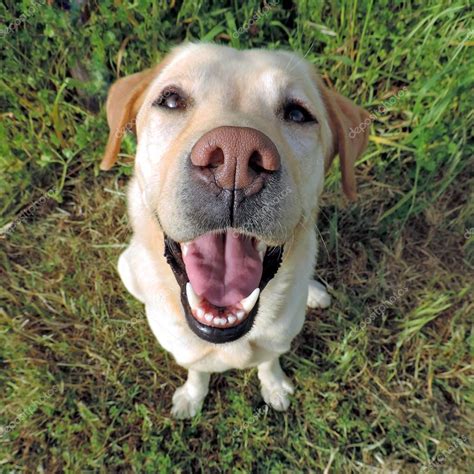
x: 294, y: 112
x: 170, y: 99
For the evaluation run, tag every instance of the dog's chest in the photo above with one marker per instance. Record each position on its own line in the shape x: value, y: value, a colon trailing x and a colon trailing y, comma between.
x: 193, y: 353
x: 241, y: 355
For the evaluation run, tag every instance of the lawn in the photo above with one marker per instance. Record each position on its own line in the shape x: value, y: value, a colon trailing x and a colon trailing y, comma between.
x: 384, y: 377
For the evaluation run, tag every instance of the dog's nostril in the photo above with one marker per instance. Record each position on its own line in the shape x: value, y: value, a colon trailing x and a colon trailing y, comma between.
x: 256, y: 162
x: 216, y: 158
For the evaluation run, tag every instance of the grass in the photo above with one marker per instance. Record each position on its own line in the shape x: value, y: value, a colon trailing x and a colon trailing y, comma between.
x: 84, y: 386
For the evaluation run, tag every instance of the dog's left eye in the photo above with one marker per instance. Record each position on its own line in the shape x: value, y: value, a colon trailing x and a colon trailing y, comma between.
x: 170, y: 100
x: 297, y: 113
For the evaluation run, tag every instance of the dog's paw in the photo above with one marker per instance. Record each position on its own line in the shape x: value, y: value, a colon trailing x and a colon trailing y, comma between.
x: 184, y: 404
x: 318, y: 297
x: 277, y: 394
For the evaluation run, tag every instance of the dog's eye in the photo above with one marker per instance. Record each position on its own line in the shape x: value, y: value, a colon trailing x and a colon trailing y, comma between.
x: 170, y: 99
x: 297, y: 113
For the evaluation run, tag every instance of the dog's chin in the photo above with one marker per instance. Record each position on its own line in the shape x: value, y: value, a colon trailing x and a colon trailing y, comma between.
x: 221, y: 276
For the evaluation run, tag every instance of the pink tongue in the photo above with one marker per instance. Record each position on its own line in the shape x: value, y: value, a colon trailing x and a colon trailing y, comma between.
x: 223, y: 268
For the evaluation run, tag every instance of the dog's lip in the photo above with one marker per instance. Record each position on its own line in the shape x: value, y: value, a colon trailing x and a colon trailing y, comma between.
x: 216, y: 332
x: 221, y: 317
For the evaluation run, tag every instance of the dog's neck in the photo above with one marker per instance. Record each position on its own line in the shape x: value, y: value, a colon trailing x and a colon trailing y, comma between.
x: 145, y: 223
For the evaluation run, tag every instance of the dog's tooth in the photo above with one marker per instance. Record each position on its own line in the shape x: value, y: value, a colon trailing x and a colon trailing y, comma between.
x: 232, y: 319
x: 200, y: 313
x: 240, y: 314
x: 193, y: 299
x: 249, y: 302
x: 261, y: 249
x: 220, y: 321
x: 208, y: 317
x: 184, y: 249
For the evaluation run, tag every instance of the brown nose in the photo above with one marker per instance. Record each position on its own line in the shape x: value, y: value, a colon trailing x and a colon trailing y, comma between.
x: 235, y: 158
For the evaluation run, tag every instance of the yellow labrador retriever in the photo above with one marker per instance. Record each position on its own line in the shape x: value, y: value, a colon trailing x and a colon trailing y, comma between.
x: 231, y: 155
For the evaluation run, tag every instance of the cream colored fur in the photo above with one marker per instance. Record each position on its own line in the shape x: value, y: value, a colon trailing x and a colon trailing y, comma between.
x: 242, y: 89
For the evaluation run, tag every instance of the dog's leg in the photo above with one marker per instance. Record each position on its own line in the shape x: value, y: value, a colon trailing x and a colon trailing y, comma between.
x: 276, y: 386
x: 318, y: 297
x: 127, y: 275
x: 187, y: 400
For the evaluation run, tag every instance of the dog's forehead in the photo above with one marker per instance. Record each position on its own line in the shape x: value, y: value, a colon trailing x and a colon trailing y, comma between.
x: 215, y: 68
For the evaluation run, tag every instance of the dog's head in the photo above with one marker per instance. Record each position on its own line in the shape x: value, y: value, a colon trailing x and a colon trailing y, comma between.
x: 231, y: 155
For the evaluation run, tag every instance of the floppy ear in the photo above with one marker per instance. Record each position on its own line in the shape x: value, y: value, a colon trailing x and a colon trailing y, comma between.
x: 349, y: 136
x: 123, y: 102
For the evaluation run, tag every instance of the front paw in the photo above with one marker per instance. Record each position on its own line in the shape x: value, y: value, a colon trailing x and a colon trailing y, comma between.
x: 185, y: 405
x: 318, y: 297
x: 276, y: 394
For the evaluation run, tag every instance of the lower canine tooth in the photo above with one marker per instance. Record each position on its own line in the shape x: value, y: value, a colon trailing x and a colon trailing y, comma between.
x: 184, y: 249
x: 193, y: 299
x: 249, y: 302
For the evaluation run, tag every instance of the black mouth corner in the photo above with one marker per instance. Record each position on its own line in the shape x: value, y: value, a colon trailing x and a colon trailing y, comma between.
x: 271, y: 264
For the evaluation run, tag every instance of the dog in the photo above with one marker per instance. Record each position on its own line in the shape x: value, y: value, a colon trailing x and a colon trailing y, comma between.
x: 232, y: 150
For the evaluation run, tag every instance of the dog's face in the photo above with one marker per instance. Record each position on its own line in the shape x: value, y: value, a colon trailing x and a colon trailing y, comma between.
x: 232, y: 150
x: 224, y: 133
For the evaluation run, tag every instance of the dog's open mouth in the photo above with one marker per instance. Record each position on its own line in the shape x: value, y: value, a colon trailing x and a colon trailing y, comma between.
x: 221, y: 276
